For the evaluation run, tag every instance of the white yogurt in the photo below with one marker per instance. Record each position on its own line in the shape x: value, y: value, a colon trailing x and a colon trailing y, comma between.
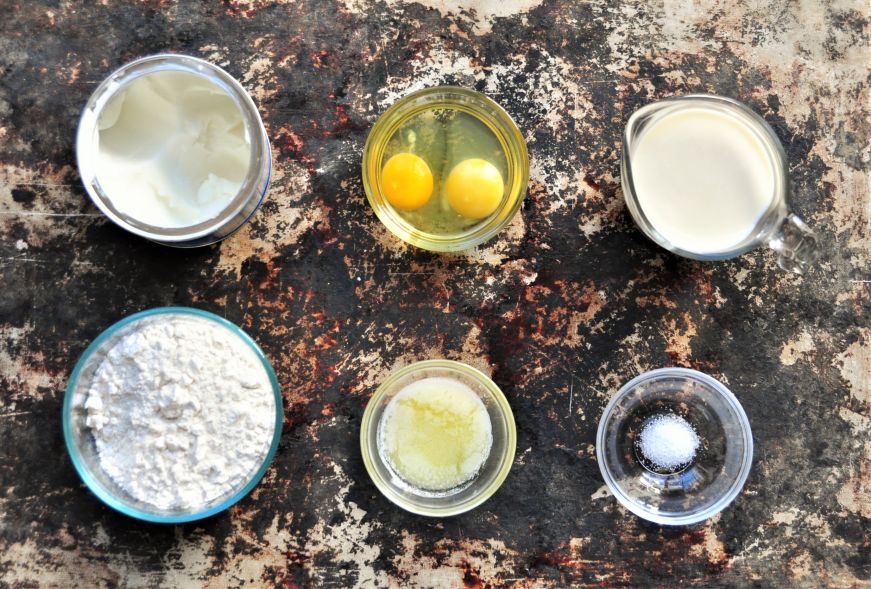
x: 703, y: 178
x: 173, y: 149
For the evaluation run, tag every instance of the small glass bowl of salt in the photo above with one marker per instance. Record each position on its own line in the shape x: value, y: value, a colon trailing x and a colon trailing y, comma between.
x: 674, y: 446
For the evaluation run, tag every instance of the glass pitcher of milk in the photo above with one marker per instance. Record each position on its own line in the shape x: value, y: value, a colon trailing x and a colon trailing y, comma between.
x: 705, y: 177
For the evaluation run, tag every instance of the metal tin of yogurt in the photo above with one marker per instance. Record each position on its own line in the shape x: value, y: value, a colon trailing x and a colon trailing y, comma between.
x: 240, y: 208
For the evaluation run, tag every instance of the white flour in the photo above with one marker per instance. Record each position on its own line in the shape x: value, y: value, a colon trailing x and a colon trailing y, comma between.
x: 182, y: 412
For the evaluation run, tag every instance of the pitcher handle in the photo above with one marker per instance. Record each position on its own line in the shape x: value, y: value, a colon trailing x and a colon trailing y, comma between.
x: 796, y: 245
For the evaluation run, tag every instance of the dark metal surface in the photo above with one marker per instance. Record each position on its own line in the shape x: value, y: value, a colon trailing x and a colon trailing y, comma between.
x: 568, y: 303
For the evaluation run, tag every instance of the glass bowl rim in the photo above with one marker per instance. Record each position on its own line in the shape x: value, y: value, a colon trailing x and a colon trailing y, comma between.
x: 370, y: 457
x: 109, y: 498
x: 463, y: 241
x: 737, y: 484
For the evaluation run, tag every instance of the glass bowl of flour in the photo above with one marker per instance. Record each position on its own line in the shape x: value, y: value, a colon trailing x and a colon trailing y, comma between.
x: 674, y: 446
x: 172, y: 415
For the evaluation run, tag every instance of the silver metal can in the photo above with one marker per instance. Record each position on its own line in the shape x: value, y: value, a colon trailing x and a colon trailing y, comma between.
x: 254, y: 185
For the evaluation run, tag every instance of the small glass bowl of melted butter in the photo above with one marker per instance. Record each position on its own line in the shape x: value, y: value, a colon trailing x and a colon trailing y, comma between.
x: 445, y: 168
x: 438, y: 438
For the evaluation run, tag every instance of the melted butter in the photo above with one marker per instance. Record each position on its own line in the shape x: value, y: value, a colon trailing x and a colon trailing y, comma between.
x: 436, y: 434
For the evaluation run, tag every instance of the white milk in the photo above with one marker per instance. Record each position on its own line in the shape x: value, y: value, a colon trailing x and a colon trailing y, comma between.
x: 703, y: 178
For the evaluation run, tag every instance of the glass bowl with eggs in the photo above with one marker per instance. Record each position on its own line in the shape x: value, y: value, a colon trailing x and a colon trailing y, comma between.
x: 438, y: 438
x: 445, y: 168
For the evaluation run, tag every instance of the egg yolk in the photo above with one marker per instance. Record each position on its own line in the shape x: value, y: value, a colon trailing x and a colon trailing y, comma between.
x: 474, y: 188
x: 406, y: 181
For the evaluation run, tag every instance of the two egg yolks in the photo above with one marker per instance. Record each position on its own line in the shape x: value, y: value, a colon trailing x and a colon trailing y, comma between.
x: 474, y: 187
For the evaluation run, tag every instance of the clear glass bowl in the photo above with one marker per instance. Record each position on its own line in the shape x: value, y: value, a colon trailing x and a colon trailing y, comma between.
x: 492, y: 473
x: 696, y: 491
x: 472, y: 103
x: 80, y: 443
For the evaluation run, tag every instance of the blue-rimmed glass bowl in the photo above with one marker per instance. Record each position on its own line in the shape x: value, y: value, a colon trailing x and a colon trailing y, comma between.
x: 80, y: 442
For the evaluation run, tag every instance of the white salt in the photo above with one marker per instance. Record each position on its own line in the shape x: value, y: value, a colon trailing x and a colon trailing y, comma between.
x: 668, y: 441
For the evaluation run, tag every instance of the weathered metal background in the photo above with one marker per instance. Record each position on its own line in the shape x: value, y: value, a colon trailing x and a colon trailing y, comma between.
x: 567, y: 304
